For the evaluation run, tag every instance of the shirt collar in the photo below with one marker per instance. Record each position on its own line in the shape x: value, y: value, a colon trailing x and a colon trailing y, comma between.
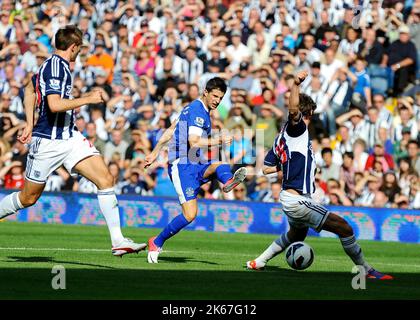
x: 204, y: 106
x: 62, y: 59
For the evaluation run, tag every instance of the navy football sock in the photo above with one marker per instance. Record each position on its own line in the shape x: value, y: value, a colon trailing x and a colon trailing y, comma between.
x: 178, y: 223
x: 223, y: 173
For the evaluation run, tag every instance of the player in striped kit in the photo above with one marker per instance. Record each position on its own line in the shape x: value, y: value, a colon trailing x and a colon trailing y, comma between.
x: 55, y: 142
x: 292, y: 154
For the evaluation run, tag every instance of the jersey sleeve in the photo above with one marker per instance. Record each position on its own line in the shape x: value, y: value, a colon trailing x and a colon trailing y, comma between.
x: 53, y: 77
x: 297, y: 129
x: 271, y: 159
x: 196, y: 122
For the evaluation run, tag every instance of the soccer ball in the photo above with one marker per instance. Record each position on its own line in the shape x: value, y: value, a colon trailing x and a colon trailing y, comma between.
x: 299, y: 255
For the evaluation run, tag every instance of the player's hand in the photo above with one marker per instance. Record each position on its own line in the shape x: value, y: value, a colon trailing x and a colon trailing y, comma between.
x: 26, y: 135
x: 226, y: 140
x: 95, y: 97
x: 300, y: 77
x: 150, y: 158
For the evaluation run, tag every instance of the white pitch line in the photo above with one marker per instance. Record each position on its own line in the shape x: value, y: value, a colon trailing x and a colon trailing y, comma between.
x: 180, y: 252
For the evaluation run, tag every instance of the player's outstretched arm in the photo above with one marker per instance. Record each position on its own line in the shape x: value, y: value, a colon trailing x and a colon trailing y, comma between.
x: 29, y: 105
x: 164, y: 139
x: 200, y: 142
x: 57, y: 104
x: 293, y: 106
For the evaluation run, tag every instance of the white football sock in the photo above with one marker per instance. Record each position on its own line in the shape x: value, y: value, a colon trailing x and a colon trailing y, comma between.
x: 278, y: 246
x: 10, y: 204
x: 109, y: 206
x: 353, y: 250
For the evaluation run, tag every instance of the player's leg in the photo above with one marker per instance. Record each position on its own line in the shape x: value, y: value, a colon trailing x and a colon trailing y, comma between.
x: 300, y: 219
x: 44, y: 157
x: 224, y: 175
x: 340, y: 227
x: 189, y: 212
x: 27, y: 197
x: 295, y: 233
x: 94, y: 169
x: 186, y: 180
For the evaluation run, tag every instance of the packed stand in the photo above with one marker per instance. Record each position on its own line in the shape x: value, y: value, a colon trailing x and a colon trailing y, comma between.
x: 151, y: 58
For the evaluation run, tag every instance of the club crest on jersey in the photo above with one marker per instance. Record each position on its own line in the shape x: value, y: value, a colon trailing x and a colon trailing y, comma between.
x: 55, y: 84
x: 189, y: 192
x: 199, y: 121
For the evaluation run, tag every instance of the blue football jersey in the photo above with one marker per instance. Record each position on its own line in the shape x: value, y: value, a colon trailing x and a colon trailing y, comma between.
x: 194, y: 120
x: 53, y: 77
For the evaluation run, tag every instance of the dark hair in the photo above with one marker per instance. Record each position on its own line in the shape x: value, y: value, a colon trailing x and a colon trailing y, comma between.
x: 307, y: 106
x: 326, y: 150
x: 412, y: 141
x: 349, y: 154
x: 67, y: 36
x: 216, y: 83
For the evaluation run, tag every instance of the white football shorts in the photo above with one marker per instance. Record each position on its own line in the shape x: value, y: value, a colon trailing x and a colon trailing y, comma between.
x: 303, y: 211
x: 46, y: 155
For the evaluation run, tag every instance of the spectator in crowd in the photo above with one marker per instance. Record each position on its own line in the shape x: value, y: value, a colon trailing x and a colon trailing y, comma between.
x: 102, y: 60
x: 379, y: 154
x: 401, y: 58
x: 390, y: 185
x: 405, y: 119
x: 381, y: 200
x: 11, y: 176
x: 413, y: 154
x: 116, y: 145
x: 366, y: 190
x: 240, y: 193
x: 93, y: 138
x: 330, y: 170
x: 137, y: 182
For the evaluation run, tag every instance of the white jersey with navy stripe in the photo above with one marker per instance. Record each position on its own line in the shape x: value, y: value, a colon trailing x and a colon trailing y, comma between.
x: 292, y: 152
x: 54, y: 77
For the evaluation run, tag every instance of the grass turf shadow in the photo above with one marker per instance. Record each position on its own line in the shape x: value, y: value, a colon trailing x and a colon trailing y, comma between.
x: 41, y: 259
x: 154, y: 284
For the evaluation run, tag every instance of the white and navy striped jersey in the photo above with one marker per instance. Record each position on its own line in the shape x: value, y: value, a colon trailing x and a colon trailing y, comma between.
x: 292, y: 152
x: 53, y: 77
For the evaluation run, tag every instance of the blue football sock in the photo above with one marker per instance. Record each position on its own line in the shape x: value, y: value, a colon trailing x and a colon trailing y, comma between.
x: 223, y: 173
x: 178, y: 223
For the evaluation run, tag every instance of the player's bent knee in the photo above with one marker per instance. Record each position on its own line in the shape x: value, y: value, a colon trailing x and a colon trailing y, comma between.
x: 105, y: 181
x: 344, y: 230
x: 190, y: 216
x: 28, y: 200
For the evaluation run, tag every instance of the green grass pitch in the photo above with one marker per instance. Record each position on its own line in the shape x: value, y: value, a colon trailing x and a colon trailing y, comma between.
x: 194, y: 265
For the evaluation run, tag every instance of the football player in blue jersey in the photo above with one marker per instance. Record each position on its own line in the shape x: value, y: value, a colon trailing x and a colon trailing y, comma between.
x: 188, y: 166
x: 54, y: 140
x: 292, y: 154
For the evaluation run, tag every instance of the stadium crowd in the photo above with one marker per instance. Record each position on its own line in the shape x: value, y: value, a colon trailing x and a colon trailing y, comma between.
x: 151, y: 58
